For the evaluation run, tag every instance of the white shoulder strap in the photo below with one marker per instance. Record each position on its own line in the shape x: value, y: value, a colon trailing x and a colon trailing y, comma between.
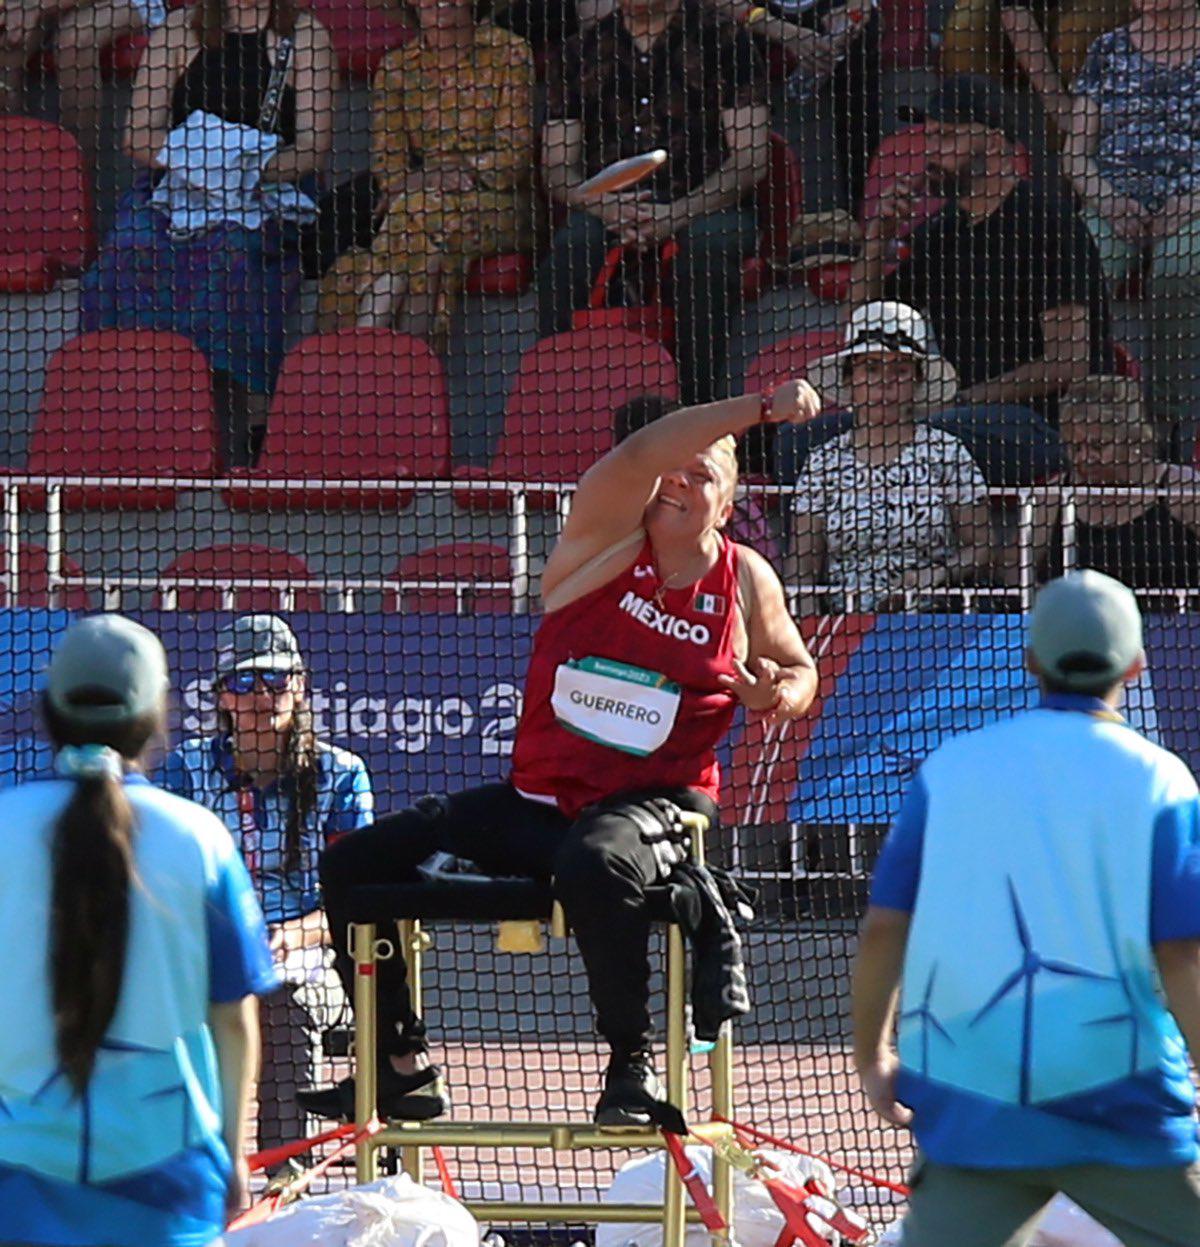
x: 745, y: 589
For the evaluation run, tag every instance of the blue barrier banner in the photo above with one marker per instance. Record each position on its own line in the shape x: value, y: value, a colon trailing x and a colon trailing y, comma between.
x: 431, y: 701
x: 914, y: 680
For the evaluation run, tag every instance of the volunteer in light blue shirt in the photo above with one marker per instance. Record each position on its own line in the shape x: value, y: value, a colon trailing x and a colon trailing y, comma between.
x: 136, y: 948
x: 285, y: 795
x: 1039, y: 898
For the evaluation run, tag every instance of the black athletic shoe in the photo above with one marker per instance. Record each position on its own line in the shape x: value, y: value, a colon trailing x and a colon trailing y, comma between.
x: 633, y: 1096
x: 402, y: 1097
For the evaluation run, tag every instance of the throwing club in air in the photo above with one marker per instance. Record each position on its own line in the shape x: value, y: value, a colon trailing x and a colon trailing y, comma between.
x: 621, y: 174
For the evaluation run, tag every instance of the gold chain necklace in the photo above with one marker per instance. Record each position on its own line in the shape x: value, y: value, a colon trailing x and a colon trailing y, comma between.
x: 661, y: 591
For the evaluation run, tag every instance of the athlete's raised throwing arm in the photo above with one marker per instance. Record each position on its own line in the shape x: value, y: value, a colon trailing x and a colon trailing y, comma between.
x: 665, y: 467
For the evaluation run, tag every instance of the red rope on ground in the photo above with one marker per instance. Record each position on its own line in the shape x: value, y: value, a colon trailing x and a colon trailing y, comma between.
x: 706, y: 1206
x: 761, y: 1136
x: 261, y: 1211
x: 285, y: 1151
x: 443, y: 1169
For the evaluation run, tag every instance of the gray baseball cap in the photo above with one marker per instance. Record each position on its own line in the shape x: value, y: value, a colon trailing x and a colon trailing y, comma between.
x: 113, y: 660
x: 258, y: 643
x: 1085, y: 630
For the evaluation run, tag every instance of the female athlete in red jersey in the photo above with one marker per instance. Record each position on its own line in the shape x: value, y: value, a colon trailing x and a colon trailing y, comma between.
x: 656, y: 627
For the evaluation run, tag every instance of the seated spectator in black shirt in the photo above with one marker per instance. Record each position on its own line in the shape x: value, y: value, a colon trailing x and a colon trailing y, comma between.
x: 669, y: 74
x: 832, y: 92
x: 1150, y: 538
x: 1007, y: 273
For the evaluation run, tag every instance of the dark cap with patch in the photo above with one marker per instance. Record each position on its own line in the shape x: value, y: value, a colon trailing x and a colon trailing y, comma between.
x: 259, y: 643
x: 1085, y: 630
x: 107, y: 670
x: 967, y: 99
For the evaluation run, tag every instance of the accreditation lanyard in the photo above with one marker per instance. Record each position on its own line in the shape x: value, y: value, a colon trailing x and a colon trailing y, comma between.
x: 251, y: 835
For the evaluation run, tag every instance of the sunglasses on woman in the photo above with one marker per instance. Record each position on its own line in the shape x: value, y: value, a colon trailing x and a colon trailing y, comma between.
x: 248, y: 680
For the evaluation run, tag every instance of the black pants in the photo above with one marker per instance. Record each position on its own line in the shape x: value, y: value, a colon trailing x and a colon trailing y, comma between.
x: 600, y: 866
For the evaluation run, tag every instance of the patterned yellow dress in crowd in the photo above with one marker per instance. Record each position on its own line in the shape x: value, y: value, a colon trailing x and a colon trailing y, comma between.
x: 477, y: 114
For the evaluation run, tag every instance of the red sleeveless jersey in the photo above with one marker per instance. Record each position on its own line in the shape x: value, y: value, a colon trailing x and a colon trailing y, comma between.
x: 622, y: 692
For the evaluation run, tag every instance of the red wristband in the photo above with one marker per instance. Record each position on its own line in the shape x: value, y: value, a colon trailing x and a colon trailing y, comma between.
x: 767, y: 407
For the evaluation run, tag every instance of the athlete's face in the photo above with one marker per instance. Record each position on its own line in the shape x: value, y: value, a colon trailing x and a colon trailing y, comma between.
x: 692, y: 499
x: 262, y: 714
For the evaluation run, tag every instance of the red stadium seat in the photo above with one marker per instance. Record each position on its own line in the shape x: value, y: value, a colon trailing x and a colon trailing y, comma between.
x: 363, y: 32
x: 587, y: 374
x: 217, y: 567
x: 124, y: 402
x: 355, y: 404
x: 455, y: 561
x: 46, y: 220
x: 33, y: 582
x: 787, y: 358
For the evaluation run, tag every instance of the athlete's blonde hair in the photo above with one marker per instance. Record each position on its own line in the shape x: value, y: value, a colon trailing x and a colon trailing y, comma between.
x: 724, y: 452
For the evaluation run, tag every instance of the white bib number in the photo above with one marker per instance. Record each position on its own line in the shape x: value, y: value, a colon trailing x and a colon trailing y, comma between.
x: 614, y: 704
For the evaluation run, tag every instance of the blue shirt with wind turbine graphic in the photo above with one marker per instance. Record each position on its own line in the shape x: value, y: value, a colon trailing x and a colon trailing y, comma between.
x: 1041, y: 859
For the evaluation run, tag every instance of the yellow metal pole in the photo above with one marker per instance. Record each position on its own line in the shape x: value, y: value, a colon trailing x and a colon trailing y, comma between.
x: 572, y: 1213
x: 721, y: 1065
x: 557, y: 1135
x: 362, y: 945
x: 674, y: 1225
x: 412, y: 1156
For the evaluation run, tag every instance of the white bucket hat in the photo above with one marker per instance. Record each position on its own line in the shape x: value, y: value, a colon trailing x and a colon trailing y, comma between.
x: 900, y: 330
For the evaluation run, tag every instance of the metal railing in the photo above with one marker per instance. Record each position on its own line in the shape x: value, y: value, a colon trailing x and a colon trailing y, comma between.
x: 345, y: 592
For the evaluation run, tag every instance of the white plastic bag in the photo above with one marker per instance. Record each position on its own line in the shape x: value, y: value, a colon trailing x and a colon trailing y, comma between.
x: 756, y: 1220
x: 1065, y: 1224
x: 393, y: 1212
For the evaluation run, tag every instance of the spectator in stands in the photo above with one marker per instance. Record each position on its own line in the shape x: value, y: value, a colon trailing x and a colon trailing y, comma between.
x: 893, y: 504
x: 748, y: 524
x: 78, y: 31
x: 1007, y: 274
x: 665, y: 74
x: 285, y: 795
x: 452, y: 156
x: 227, y: 286
x: 832, y: 50
x: 1134, y: 157
x: 1149, y: 540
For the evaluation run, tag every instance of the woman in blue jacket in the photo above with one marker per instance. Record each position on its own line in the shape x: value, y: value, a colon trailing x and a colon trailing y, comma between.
x: 125, y: 1079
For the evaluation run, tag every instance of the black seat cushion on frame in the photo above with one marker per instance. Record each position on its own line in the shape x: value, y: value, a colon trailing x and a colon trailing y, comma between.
x: 466, y: 897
